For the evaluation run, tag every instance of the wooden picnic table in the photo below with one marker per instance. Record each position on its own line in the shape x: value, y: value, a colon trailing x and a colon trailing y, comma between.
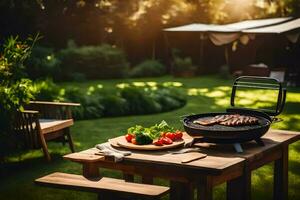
x: 222, y: 164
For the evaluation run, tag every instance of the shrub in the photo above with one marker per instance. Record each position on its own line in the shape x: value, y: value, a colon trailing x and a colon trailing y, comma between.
x: 93, y: 62
x: 183, y: 64
x: 15, y: 90
x: 127, y: 99
x: 47, y: 90
x: 169, y: 98
x: 114, y: 105
x: 43, y: 63
x: 139, y: 102
x: 148, y: 68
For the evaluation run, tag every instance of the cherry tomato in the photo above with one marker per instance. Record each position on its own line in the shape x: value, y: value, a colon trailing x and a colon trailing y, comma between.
x: 128, y: 137
x: 178, y: 135
x: 170, y: 135
x: 133, y: 141
x: 166, y: 140
x: 159, y: 142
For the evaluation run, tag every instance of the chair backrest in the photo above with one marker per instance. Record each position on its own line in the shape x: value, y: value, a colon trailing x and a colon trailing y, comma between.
x: 50, y: 111
x: 26, y: 125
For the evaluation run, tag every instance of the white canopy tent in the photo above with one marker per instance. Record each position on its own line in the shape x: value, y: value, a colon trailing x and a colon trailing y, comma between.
x: 225, y: 34
x: 291, y: 29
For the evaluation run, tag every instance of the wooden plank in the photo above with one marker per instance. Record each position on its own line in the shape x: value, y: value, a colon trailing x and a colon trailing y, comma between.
x: 280, y: 191
x: 52, y: 125
x: 54, y: 103
x: 77, y: 182
x: 83, y: 157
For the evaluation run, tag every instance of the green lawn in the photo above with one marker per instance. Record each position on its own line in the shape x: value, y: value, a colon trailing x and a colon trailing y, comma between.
x: 205, y: 94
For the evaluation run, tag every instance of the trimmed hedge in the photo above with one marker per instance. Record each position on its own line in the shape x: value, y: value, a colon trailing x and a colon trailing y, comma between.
x: 92, y: 62
x: 136, y: 98
x: 148, y: 68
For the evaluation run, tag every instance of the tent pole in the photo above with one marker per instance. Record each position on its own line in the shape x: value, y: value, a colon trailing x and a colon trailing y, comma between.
x: 168, y: 53
x: 201, y: 51
x: 227, y: 55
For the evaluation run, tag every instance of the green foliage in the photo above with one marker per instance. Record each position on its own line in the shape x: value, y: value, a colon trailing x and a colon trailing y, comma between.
x: 43, y: 63
x: 148, y: 68
x: 47, y: 90
x: 126, y: 99
x: 114, y: 105
x: 183, y: 64
x: 139, y: 102
x: 15, y: 91
x: 93, y: 62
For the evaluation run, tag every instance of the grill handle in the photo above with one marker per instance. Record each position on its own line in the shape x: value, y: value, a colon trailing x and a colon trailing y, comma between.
x: 255, y: 82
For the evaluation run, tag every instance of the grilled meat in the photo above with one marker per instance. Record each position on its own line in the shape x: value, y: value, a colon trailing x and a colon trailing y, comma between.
x: 228, y: 120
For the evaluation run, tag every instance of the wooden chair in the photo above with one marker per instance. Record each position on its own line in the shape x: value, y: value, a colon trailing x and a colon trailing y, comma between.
x: 106, y: 188
x: 44, y: 121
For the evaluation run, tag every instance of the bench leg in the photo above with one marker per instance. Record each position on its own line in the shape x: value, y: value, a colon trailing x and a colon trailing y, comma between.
x: 128, y: 177
x: 70, y: 140
x: 44, y: 147
x: 147, y: 179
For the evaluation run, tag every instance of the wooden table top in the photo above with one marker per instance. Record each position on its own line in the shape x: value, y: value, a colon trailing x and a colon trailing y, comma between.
x: 219, y: 157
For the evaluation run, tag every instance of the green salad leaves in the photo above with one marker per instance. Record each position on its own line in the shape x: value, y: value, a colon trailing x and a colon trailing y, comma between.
x: 145, y: 135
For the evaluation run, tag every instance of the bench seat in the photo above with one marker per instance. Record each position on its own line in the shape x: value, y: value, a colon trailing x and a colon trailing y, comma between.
x: 52, y: 125
x: 102, y: 185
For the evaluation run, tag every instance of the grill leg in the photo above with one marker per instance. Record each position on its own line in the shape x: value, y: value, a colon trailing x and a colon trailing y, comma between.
x: 238, y: 148
x: 260, y: 142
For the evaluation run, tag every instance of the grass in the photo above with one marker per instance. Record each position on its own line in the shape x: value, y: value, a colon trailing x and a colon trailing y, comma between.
x: 206, y: 94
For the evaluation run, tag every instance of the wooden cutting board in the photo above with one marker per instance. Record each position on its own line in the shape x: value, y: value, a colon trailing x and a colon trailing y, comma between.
x: 121, y: 142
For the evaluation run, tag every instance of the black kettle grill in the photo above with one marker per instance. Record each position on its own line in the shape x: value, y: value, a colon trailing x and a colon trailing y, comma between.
x: 236, y: 135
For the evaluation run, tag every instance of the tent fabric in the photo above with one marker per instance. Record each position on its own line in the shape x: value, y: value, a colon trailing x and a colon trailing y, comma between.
x: 202, y: 28
x: 293, y: 37
x: 225, y: 34
x: 228, y: 28
x: 276, y: 29
x: 219, y: 39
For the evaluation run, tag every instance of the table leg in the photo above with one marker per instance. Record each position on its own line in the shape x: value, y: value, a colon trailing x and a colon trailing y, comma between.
x: 180, y: 190
x: 128, y: 177
x: 280, y: 190
x: 205, y: 189
x: 240, y: 187
x: 90, y: 170
x: 147, y: 179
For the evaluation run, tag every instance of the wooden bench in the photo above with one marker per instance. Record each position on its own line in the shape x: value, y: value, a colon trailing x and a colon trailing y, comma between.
x: 45, y: 121
x: 107, y: 188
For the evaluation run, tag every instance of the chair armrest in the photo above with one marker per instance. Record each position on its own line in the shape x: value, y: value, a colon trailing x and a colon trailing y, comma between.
x: 30, y: 112
x: 52, y: 110
x: 54, y: 103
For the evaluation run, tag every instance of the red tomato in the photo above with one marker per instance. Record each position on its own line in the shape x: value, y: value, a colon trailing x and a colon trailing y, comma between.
x: 170, y: 135
x: 178, y: 135
x: 128, y: 137
x: 159, y: 142
x: 166, y: 140
x: 133, y: 141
